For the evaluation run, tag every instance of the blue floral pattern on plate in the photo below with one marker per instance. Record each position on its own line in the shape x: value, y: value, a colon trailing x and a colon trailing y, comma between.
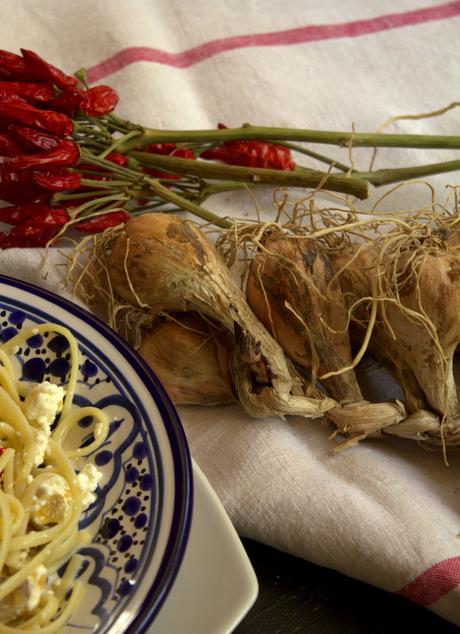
x: 134, y: 499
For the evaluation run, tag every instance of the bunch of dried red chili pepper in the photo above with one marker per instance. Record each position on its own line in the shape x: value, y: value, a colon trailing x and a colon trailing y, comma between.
x: 61, y: 165
x: 66, y: 160
x: 38, y: 157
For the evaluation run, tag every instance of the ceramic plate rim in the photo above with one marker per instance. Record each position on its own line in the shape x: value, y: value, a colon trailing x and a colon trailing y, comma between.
x: 183, y: 504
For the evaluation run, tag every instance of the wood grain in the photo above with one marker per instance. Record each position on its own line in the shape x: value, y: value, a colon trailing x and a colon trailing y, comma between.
x: 298, y: 597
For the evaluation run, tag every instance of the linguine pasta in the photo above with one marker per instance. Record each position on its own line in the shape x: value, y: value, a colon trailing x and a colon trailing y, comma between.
x: 42, y: 493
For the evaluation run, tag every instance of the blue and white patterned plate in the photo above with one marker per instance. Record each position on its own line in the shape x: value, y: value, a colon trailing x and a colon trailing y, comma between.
x: 140, y: 521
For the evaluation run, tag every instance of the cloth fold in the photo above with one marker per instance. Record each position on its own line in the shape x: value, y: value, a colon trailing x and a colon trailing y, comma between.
x: 386, y: 512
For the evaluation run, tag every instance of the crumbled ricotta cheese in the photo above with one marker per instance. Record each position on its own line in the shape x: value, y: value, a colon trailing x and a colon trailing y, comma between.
x: 26, y: 597
x: 33, y: 587
x: 42, y: 439
x: 43, y: 404
x: 88, y: 479
x: 51, y: 501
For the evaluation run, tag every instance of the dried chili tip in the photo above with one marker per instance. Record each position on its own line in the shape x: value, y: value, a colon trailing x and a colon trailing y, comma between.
x: 47, y: 120
x: 45, y: 71
x: 97, y: 224
x: 29, y: 91
x: 57, y: 181
x: 98, y: 101
x: 66, y: 154
x: 95, y: 102
x: 37, y: 231
x: 14, y: 67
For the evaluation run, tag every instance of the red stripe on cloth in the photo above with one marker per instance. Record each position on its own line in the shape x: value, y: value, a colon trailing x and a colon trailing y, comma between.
x: 302, y: 35
x: 434, y: 583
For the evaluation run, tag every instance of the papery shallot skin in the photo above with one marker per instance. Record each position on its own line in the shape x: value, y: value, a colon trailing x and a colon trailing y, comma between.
x: 191, y: 357
x: 291, y: 289
x: 165, y: 264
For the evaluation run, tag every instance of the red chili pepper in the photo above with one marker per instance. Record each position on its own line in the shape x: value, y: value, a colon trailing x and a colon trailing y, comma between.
x: 44, y: 71
x: 161, y: 148
x: 14, y: 67
x: 17, y: 214
x: 251, y: 154
x: 30, y: 91
x: 5, y: 75
x: 97, y: 224
x: 8, y: 97
x: 118, y: 158
x: 8, y: 146
x: 12, y: 177
x: 98, y: 101
x: 68, y: 101
x: 23, y: 195
x: 57, y: 181
x: 65, y: 155
x: 37, y: 231
x: 1, y: 450
x: 48, y: 120
x: 17, y: 187
x: 34, y: 139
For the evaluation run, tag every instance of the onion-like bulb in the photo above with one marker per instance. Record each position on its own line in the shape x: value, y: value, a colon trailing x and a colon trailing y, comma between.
x: 165, y: 264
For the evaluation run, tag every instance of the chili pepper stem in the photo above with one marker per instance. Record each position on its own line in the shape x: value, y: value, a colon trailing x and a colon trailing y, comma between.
x: 187, y: 205
x: 118, y: 142
x: 250, y: 132
x: 397, y: 175
x: 319, y: 157
x: 312, y: 179
x: 211, y: 190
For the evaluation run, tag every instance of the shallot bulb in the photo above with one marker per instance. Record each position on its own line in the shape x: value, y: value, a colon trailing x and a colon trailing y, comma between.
x: 165, y: 264
x: 191, y: 357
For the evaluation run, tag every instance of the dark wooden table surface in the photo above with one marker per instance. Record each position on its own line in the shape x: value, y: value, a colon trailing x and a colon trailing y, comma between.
x: 298, y: 597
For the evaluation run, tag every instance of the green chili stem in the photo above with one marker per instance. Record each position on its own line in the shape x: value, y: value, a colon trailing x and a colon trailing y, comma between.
x: 125, y: 172
x: 319, y: 157
x: 187, y: 205
x: 118, y: 142
x: 397, y: 175
x: 341, y: 138
x: 100, y: 184
x: 100, y: 201
x: 312, y: 179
